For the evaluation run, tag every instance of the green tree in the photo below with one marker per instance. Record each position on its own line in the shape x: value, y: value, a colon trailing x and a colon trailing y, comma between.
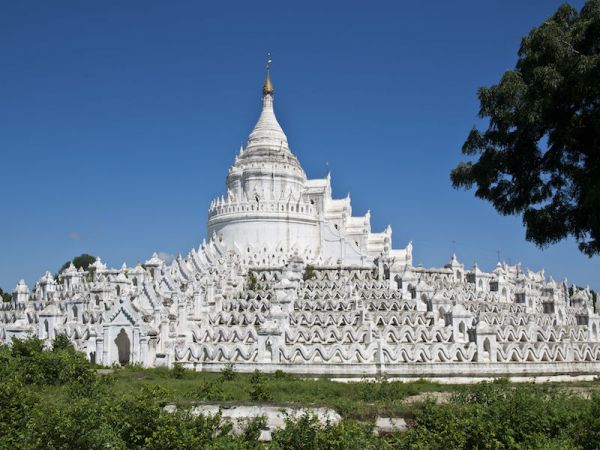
x: 540, y: 154
x: 5, y: 296
x: 309, y: 273
x: 84, y: 260
x: 252, y: 281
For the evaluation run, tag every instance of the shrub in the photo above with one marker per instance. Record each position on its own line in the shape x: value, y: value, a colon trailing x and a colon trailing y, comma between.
x: 257, y: 377
x: 16, y: 406
x: 69, y: 406
x: 253, y: 429
x: 281, y: 375
x: 251, y: 281
x: 259, y: 393
x: 183, y: 430
x: 34, y: 365
x: 499, y: 415
x: 5, y: 296
x: 137, y: 416
x: 384, y: 390
x: 62, y: 342
x: 27, y: 348
x: 228, y: 372
x: 306, y: 432
x: 178, y: 371
x: 309, y: 273
x: 210, y: 391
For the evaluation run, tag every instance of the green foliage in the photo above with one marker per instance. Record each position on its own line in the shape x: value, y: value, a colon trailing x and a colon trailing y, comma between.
x: 257, y: 377
x: 178, y: 371
x: 73, y: 423
x: 62, y: 342
x: 379, y: 390
x: 251, y: 281
x: 27, y: 362
x: 281, y: 375
x: 306, y: 432
x: 27, y: 348
x: 309, y: 273
x: 228, y: 372
x: 52, y: 398
x: 141, y: 413
x: 588, y: 432
x: 540, y: 156
x: 82, y: 261
x: 253, y: 429
x: 500, y: 415
x: 210, y: 391
x: 16, y: 406
x: 183, y: 430
x: 258, y: 391
x: 5, y: 296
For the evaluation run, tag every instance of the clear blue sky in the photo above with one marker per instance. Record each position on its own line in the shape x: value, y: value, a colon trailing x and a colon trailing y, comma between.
x: 119, y: 121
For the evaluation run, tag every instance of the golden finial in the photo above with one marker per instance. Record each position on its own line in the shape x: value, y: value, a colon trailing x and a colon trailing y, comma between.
x: 268, y: 86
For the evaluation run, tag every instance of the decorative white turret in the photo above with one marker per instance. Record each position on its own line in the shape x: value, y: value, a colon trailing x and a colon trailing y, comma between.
x: 71, y: 276
x: 98, y: 266
x: 21, y: 292
x: 48, y: 286
x: 154, y: 265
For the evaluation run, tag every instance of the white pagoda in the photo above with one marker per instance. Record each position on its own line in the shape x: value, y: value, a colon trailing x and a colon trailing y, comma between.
x: 271, y: 205
x: 290, y: 280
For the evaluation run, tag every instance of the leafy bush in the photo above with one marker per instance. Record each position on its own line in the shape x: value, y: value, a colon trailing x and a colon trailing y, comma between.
x: 16, y: 406
x: 183, y: 430
x: 5, y: 296
x: 257, y: 377
x: 62, y: 342
x: 210, y: 391
x: 253, y: 429
x: 52, y: 398
x: 306, y: 432
x: 383, y: 389
x: 260, y: 393
x: 251, y: 281
x: 499, y: 415
x: 178, y: 371
x: 228, y: 372
x: 587, y: 432
x: 309, y: 273
x: 31, y: 364
x: 281, y: 375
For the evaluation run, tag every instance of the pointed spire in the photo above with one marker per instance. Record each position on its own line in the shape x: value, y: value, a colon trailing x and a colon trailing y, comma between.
x: 267, y: 130
x: 268, y: 86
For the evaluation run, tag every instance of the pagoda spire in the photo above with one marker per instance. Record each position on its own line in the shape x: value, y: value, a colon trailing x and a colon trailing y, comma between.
x: 267, y: 130
x: 268, y: 86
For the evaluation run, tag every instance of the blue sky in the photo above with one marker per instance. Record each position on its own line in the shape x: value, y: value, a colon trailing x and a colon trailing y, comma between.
x: 119, y: 121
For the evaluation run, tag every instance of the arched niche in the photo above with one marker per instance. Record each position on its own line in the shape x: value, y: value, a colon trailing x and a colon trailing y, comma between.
x: 123, y: 344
